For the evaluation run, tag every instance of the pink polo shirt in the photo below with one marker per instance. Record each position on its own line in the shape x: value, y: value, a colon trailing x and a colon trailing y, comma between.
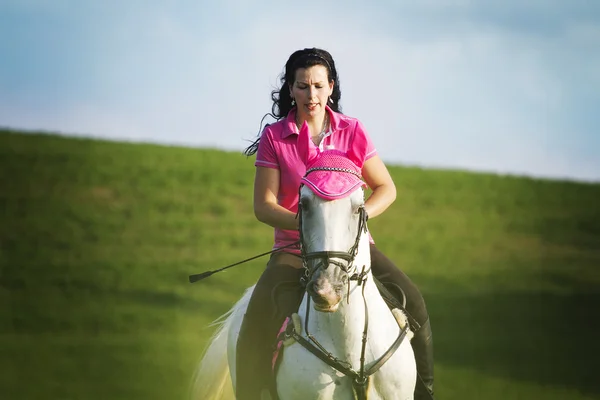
x: 277, y: 149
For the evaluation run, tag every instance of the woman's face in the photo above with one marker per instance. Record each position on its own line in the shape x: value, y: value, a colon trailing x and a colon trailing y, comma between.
x: 311, y: 89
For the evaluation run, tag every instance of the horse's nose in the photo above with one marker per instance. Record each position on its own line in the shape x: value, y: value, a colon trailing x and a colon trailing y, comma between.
x: 322, y: 291
x: 312, y: 289
x: 319, y: 287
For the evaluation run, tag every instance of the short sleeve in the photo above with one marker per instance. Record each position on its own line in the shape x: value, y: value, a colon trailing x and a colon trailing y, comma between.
x: 360, y: 133
x: 266, y: 155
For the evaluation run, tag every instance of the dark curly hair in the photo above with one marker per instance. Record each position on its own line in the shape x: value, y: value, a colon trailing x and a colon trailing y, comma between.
x: 282, y: 101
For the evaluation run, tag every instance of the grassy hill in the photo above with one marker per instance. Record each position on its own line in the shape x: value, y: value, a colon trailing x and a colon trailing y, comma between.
x: 97, y: 240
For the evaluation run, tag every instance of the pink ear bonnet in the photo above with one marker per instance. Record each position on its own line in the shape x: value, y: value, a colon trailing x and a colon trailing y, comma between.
x: 331, y: 174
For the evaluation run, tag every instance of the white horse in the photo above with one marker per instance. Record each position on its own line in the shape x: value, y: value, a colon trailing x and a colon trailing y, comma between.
x: 345, y: 343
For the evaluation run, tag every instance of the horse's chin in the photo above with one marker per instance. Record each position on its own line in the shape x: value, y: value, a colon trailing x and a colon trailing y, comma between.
x: 326, y: 308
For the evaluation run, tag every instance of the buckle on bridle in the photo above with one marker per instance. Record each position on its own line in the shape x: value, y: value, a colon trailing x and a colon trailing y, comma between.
x: 361, y: 381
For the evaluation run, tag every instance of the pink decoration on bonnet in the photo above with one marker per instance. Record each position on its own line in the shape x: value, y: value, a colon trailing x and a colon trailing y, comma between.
x: 331, y: 184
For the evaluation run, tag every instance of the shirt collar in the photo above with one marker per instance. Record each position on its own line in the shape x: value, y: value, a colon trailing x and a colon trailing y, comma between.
x: 336, y: 122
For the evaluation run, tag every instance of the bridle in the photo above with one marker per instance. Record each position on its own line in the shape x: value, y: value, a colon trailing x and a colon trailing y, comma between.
x: 360, y: 378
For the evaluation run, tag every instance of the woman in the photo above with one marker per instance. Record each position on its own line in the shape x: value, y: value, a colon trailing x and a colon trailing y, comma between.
x: 310, y: 92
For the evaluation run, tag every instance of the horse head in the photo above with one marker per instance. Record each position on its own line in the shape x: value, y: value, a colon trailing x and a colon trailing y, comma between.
x: 333, y: 231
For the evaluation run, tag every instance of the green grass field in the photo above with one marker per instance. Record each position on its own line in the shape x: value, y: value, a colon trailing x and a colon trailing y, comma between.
x: 97, y: 240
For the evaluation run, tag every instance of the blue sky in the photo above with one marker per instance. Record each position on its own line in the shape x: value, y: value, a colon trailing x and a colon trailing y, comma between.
x: 508, y: 87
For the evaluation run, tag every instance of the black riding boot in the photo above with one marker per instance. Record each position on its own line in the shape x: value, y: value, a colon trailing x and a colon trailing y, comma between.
x: 277, y: 294
x: 422, y: 344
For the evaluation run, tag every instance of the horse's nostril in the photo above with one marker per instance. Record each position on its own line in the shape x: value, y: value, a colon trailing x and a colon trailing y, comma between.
x: 321, y: 289
x: 314, y: 289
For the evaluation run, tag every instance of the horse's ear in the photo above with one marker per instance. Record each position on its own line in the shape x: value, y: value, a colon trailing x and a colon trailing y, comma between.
x: 357, y: 152
x: 306, y: 149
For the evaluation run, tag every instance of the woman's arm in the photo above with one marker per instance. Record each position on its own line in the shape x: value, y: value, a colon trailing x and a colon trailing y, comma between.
x: 378, y: 178
x: 266, y: 209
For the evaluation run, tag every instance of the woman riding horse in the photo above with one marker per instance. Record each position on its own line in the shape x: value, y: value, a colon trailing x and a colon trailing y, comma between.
x: 310, y: 93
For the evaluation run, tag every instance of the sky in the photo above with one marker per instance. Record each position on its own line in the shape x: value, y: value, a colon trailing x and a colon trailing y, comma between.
x: 508, y: 87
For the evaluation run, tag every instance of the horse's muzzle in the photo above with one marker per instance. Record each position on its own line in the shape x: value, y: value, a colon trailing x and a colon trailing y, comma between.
x: 326, y: 297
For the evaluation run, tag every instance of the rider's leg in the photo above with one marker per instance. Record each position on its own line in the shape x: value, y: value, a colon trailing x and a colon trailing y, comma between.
x: 387, y: 273
x: 280, y: 284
